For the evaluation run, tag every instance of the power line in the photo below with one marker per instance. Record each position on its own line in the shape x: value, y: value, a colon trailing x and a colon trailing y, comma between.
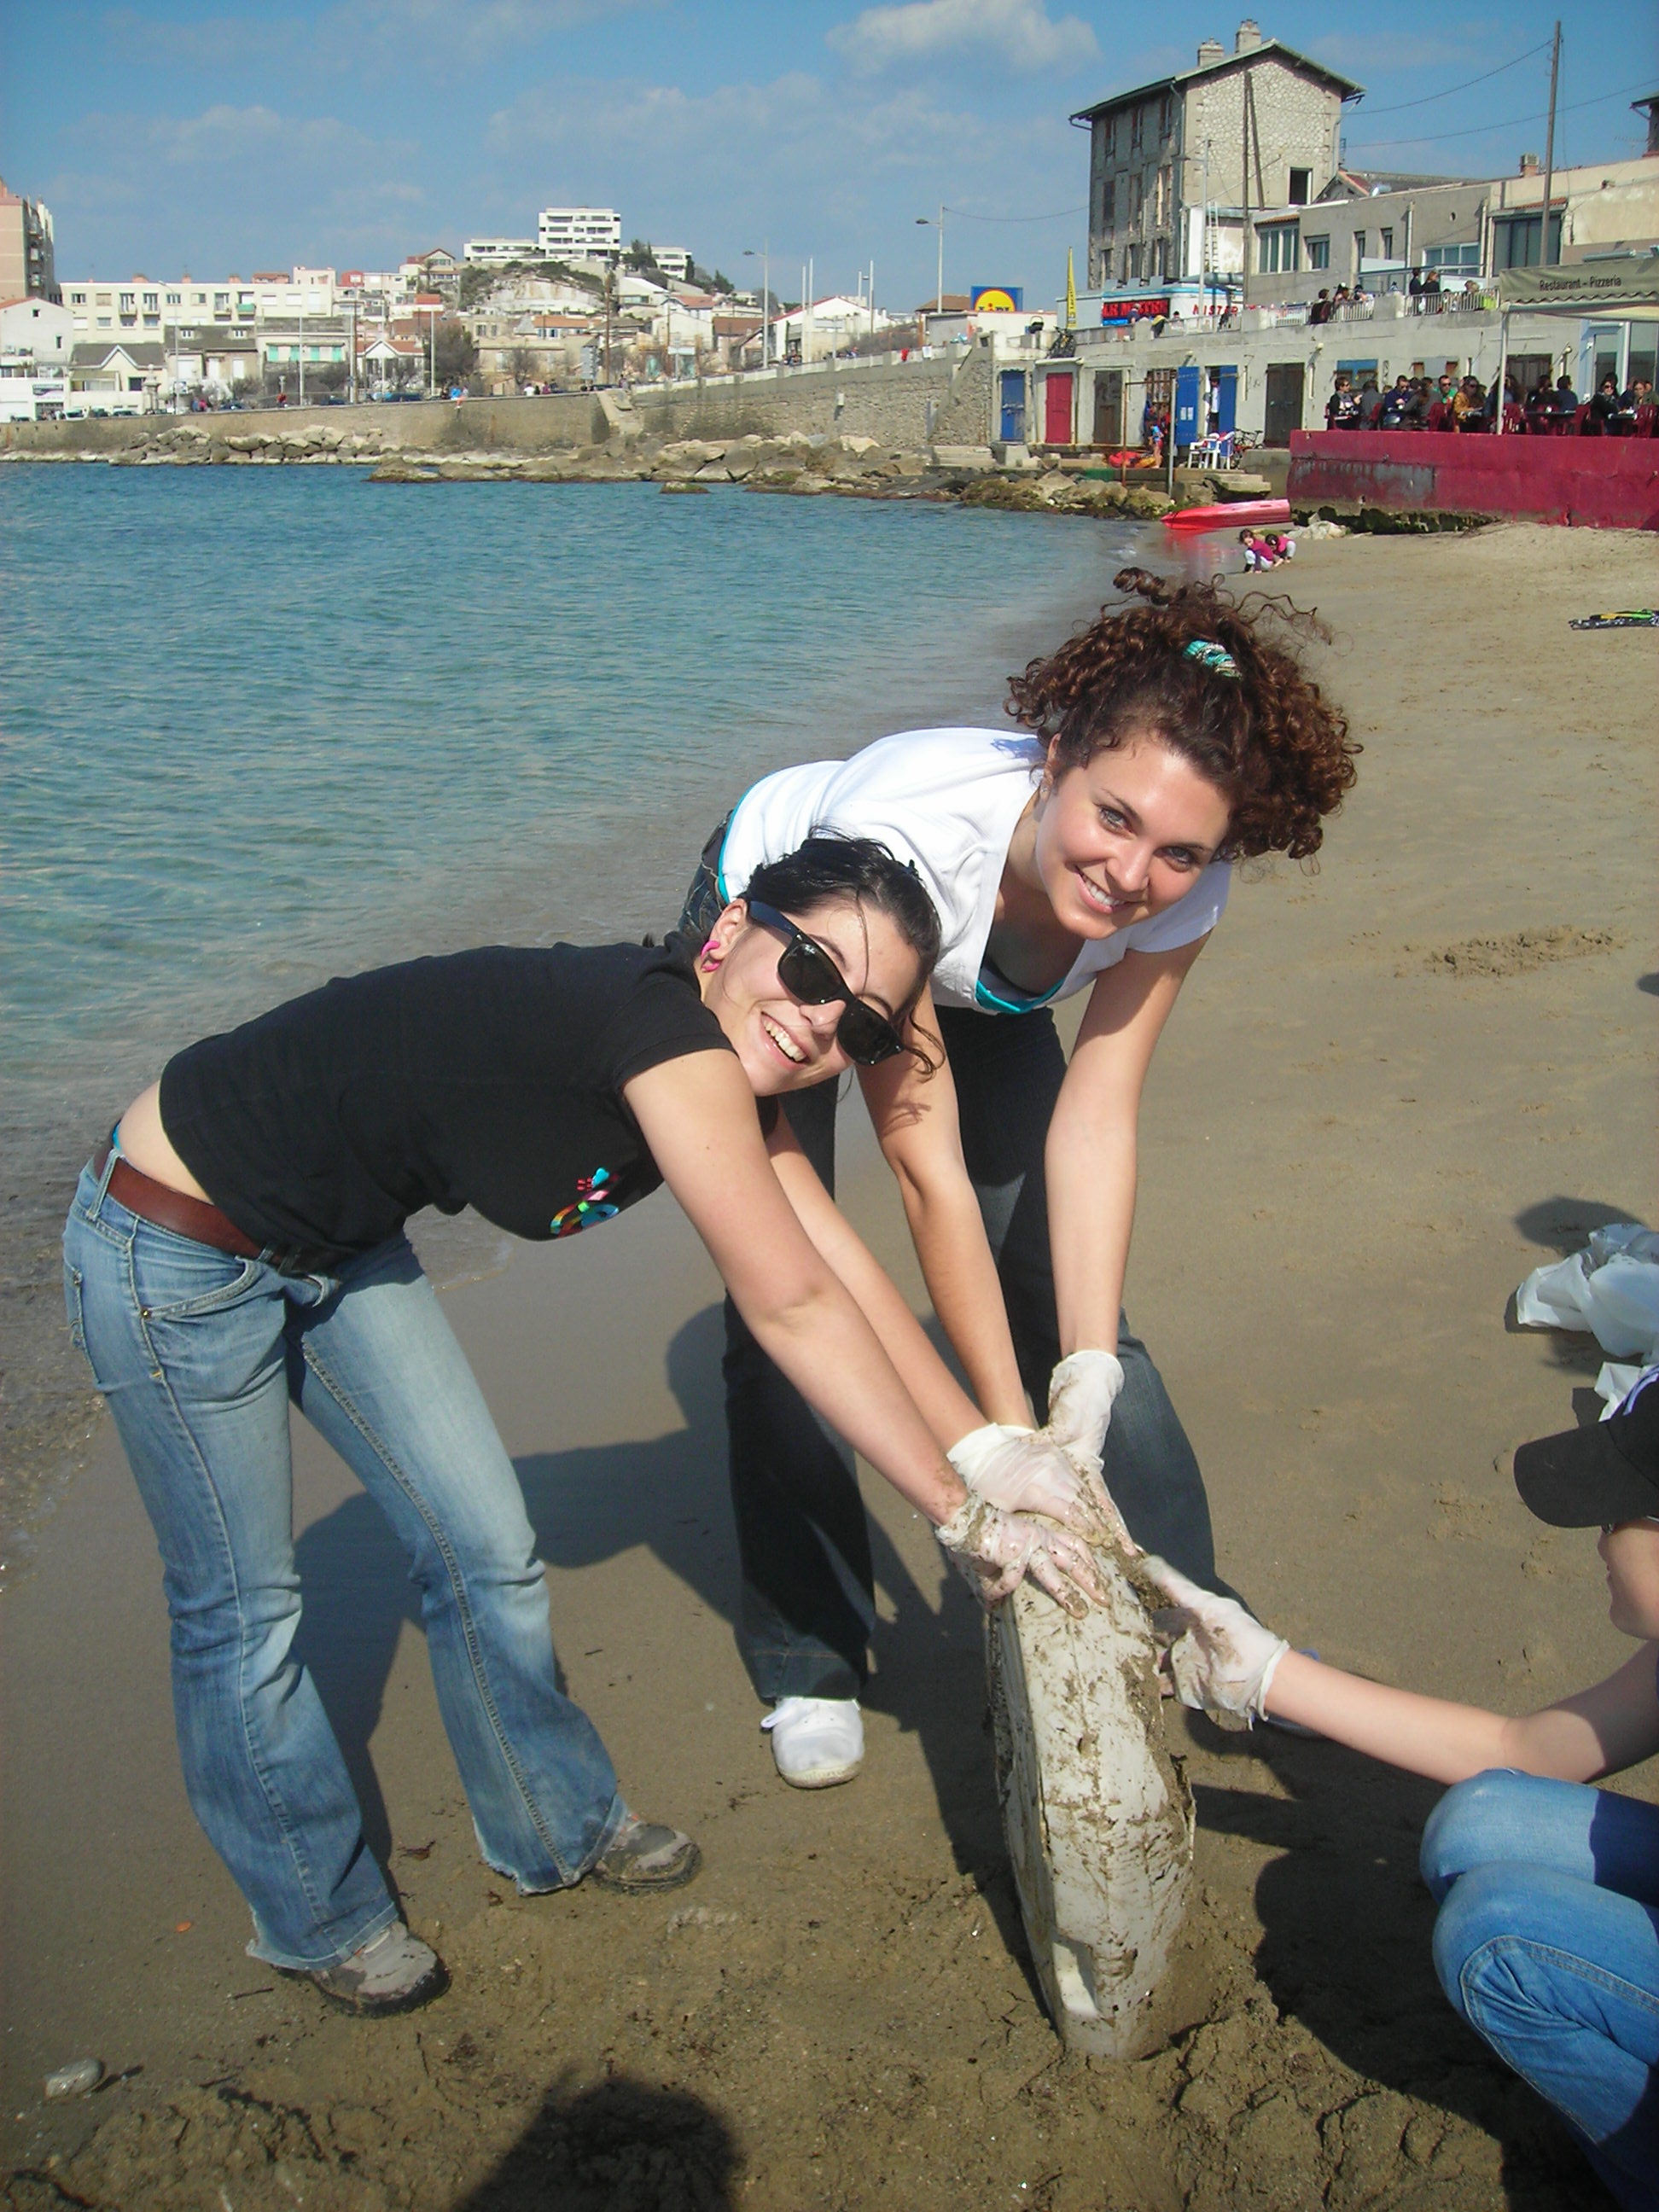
x: 963, y: 216
x: 1477, y: 129
x: 1400, y: 105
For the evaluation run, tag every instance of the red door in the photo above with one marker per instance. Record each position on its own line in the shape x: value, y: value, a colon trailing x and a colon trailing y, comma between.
x: 1057, y: 408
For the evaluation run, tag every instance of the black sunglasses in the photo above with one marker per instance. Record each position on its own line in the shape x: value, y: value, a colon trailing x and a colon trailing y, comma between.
x: 807, y: 973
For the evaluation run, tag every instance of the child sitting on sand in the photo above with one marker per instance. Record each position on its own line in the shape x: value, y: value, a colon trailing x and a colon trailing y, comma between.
x: 1267, y: 550
x: 1547, y: 1938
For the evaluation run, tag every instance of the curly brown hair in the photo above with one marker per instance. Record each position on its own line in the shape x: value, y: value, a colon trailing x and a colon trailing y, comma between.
x: 1267, y: 737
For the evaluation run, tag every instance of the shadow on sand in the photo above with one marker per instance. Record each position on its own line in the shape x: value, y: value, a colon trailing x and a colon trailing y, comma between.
x: 620, y: 2144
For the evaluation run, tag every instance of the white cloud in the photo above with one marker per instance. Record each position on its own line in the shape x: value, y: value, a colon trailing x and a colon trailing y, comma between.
x: 1020, y: 33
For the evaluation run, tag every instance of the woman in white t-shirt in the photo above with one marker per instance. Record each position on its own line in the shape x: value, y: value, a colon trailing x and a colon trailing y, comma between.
x: 1090, y: 847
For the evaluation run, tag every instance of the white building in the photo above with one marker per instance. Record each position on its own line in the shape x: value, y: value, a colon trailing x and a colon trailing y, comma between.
x: 824, y: 327
x: 37, y: 329
x: 499, y: 252
x: 673, y: 261
x: 578, y: 232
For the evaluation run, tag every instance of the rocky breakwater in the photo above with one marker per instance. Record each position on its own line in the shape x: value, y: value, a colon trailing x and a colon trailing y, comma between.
x: 185, y: 441
x: 797, y: 465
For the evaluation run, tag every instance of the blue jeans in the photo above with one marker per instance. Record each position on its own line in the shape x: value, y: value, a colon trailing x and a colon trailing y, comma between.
x: 808, y: 1606
x: 1548, y: 1943
x: 198, y: 1354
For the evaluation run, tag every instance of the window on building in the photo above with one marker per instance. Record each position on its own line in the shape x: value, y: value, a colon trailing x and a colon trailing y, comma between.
x: 103, y: 322
x: 1358, y: 248
x: 1136, y: 119
x: 152, y: 303
x: 175, y: 299
x: 1516, y: 241
x: 1278, y: 247
x: 1385, y: 243
x: 1163, y: 108
x: 1460, y: 260
x: 1319, y: 253
x: 129, y: 303
x: 1108, y: 205
x: 1301, y: 187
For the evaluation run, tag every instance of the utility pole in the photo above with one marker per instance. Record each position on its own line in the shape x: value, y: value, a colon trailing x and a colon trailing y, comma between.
x: 1544, y: 255
x: 939, y: 297
x: 302, y: 350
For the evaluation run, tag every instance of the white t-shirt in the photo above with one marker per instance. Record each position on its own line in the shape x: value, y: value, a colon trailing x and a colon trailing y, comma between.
x: 949, y: 800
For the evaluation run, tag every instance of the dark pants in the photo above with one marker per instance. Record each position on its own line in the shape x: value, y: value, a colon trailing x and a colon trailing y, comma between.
x: 808, y: 1606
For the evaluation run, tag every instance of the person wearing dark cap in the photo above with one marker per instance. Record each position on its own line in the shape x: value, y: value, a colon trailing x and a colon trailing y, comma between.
x: 1547, y: 1937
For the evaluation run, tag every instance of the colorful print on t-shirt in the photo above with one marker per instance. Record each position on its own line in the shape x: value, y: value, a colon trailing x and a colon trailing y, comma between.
x: 591, y: 1206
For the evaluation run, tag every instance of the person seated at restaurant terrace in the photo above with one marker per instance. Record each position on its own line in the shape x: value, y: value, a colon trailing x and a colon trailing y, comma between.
x: 1342, y: 408
x: 1564, y: 400
x: 1469, y: 404
x: 1370, y: 404
x: 1402, y: 409
x: 1604, y: 403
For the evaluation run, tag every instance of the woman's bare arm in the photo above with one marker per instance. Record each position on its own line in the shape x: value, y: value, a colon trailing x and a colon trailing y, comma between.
x: 945, y: 1405
x: 1600, y: 1730
x: 1091, y: 1158
x: 697, y: 1116
x: 915, y: 1120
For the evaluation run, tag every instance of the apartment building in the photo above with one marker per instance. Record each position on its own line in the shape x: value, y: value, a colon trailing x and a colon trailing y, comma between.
x: 579, y: 233
x: 1205, y: 172
x: 28, y: 265
x: 499, y: 252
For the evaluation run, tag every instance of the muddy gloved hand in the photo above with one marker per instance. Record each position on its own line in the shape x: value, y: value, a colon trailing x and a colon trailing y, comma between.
x: 1220, y: 1658
x: 1023, y: 1471
x: 1082, y: 1391
x: 994, y: 1551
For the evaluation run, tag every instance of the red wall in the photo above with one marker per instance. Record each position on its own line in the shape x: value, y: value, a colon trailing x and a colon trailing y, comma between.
x: 1612, y: 484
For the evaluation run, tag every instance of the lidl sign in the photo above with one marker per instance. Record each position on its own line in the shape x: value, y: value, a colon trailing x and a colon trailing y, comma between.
x: 998, y: 299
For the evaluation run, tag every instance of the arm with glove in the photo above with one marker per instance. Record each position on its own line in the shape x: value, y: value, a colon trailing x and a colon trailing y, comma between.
x: 1219, y: 1660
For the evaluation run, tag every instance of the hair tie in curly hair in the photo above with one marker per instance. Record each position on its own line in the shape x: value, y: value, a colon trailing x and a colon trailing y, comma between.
x: 1211, y: 655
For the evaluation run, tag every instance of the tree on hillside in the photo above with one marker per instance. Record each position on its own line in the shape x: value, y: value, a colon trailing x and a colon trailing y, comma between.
x: 475, y: 283
x: 454, y: 353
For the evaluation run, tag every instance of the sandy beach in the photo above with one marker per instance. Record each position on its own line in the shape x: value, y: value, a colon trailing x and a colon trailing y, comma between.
x: 1391, y: 1087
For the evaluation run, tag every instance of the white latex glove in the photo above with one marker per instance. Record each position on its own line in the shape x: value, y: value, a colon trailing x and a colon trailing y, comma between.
x: 1025, y: 1472
x: 1222, y: 1660
x: 994, y: 1551
x: 1082, y: 1391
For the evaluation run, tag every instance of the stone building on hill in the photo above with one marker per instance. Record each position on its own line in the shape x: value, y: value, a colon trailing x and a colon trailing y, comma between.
x: 1182, y: 171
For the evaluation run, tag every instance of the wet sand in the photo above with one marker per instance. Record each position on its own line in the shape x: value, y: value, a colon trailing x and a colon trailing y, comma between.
x: 1354, y: 1149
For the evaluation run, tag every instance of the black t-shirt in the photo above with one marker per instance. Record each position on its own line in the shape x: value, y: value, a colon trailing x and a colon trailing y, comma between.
x: 490, y: 1078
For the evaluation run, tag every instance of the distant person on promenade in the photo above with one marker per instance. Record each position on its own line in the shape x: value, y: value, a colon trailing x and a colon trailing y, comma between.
x: 241, y: 1242
x: 1087, y: 849
x: 1547, y: 1938
x: 1402, y: 408
x: 1370, y: 403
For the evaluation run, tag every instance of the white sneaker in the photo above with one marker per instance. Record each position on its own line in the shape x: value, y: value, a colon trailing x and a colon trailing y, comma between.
x: 817, y: 1741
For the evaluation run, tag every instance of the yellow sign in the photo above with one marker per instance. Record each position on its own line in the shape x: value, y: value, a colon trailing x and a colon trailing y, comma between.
x: 996, y: 299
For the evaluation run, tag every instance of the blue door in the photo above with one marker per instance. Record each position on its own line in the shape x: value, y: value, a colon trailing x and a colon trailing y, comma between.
x: 1013, y: 405
x: 1226, y: 400
x: 1188, y: 395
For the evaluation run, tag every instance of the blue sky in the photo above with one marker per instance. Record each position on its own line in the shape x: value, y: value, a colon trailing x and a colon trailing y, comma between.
x: 219, y: 136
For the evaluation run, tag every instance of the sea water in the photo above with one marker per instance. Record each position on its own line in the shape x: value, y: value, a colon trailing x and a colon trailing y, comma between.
x: 259, y: 727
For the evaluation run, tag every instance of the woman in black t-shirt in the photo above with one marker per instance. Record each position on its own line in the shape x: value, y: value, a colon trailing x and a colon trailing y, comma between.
x: 241, y: 1242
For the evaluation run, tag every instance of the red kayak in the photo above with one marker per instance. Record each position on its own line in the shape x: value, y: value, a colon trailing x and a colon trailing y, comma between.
x: 1230, y: 514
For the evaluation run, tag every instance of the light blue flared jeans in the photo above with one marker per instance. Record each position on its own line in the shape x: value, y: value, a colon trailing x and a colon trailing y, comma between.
x: 1548, y: 1943
x: 198, y: 1354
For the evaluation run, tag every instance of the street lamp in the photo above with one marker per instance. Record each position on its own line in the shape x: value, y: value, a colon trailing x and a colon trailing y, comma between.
x: 766, y: 291
x: 928, y: 222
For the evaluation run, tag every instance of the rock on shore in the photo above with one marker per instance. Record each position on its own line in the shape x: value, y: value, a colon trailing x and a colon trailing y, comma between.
x: 795, y: 463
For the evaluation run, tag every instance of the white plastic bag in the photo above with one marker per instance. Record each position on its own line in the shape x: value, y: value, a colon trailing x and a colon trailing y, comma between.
x: 1610, y: 1291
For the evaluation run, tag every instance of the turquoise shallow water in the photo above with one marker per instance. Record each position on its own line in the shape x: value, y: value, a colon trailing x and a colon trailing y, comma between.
x: 261, y: 727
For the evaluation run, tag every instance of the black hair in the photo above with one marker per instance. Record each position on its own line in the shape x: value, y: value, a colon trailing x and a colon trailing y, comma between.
x: 831, y: 866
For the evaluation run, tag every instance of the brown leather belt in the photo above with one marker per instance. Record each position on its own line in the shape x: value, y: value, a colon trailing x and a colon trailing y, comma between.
x: 173, y: 1209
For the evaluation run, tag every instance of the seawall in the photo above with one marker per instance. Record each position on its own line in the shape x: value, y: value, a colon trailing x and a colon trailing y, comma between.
x: 1609, y: 483
x: 911, y: 404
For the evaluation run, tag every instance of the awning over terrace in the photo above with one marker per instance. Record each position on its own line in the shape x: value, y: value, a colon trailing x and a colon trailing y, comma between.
x: 1623, y: 284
